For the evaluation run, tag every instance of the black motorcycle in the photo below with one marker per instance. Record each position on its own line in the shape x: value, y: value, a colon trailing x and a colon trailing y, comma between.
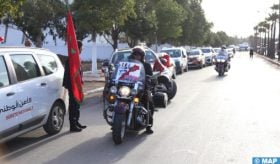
x: 222, y: 64
x: 126, y: 89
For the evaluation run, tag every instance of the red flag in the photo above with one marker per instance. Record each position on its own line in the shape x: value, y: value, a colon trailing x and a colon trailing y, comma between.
x: 74, y: 60
x: 1, y: 39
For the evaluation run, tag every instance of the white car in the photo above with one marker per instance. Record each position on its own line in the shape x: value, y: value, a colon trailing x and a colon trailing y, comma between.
x: 209, y: 54
x: 179, y: 56
x: 31, y: 91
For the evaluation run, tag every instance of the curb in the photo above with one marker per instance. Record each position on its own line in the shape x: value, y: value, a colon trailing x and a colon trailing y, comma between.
x: 94, y: 91
x: 270, y: 60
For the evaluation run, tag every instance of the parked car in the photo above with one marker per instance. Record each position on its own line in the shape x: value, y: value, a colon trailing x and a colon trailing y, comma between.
x: 179, y: 56
x: 230, y: 52
x: 209, y: 54
x: 196, y: 58
x: 217, y: 50
x: 31, y: 91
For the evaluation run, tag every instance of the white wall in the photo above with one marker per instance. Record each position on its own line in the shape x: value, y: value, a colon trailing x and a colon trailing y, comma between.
x: 103, y: 50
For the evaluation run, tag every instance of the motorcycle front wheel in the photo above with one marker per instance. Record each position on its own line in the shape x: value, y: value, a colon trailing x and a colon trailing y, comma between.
x: 119, y: 128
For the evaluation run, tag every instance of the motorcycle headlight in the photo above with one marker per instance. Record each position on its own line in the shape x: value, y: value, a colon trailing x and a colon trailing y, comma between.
x: 221, y: 60
x: 113, y: 89
x: 124, y: 91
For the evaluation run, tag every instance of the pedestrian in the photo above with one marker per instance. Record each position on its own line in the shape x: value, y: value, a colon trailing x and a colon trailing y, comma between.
x: 251, y: 53
x: 74, y: 106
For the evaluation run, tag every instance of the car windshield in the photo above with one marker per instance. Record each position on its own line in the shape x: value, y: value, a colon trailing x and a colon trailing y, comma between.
x: 119, y: 56
x: 173, y: 53
x: 206, y: 50
x: 191, y: 53
x: 217, y: 50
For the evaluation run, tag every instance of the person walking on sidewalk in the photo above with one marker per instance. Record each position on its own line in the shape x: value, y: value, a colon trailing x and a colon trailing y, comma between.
x: 74, y: 106
x: 251, y: 53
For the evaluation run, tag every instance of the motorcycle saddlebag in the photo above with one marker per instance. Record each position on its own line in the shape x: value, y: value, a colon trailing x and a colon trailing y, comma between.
x: 160, y: 99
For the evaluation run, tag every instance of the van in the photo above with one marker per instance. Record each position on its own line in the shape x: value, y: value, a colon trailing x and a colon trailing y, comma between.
x: 31, y: 91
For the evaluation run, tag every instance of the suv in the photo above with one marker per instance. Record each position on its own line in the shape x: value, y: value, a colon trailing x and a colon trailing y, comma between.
x: 31, y: 91
x: 179, y: 56
x: 209, y: 54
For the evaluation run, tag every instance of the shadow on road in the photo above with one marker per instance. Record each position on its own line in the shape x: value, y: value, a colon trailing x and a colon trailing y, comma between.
x: 25, y: 143
x: 215, y: 78
x: 101, y: 150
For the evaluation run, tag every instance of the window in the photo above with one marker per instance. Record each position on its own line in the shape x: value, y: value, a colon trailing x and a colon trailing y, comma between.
x: 150, y: 57
x: 25, y: 66
x: 48, y: 63
x: 4, y: 78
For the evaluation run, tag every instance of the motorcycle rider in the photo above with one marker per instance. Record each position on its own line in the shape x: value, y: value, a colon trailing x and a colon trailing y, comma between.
x: 224, y: 53
x: 138, y: 53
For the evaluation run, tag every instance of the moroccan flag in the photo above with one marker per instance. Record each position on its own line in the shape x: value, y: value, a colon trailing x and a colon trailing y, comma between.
x: 1, y: 39
x: 74, y: 60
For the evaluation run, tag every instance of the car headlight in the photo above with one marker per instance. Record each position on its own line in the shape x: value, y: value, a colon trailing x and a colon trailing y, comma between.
x: 124, y: 91
x: 113, y: 89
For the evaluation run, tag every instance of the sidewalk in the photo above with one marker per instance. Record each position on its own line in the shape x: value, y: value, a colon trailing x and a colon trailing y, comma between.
x: 93, y: 83
x: 273, y: 61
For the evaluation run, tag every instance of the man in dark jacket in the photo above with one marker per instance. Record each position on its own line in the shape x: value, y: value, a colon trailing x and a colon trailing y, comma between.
x: 74, y: 106
x: 138, y: 53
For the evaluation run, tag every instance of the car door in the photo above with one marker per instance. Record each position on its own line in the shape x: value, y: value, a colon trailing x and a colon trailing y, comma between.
x: 53, y: 75
x: 30, y: 85
x: 12, y: 101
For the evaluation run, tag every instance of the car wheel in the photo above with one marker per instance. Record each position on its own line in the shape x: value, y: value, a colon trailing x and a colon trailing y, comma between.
x: 55, y: 119
x: 174, y: 90
x: 174, y: 75
x: 186, y: 68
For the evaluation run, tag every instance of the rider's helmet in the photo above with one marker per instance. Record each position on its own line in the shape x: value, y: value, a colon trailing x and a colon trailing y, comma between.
x: 223, y: 47
x: 138, y: 50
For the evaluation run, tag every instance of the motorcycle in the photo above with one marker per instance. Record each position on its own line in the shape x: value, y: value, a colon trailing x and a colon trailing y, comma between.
x: 222, y: 64
x: 125, y: 109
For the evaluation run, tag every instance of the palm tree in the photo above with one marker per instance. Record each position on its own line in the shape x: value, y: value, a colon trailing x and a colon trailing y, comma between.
x: 276, y: 8
x: 273, y: 18
x: 266, y: 26
x: 256, y: 38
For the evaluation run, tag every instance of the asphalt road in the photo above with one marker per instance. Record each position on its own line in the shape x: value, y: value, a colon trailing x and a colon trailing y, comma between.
x: 212, y: 119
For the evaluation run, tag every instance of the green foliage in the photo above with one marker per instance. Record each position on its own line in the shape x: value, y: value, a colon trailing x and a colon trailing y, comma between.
x: 101, y: 17
x: 38, y: 16
x: 143, y: 25
x: 9, y: 8
x: 170, y: 16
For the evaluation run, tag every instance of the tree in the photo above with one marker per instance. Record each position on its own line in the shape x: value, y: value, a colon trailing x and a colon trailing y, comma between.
x: 195, y: 28
x: 170, y: 16
x: 143, y: 25
x: 9, y: 8
x: 271, y: 50
x: 102, y: 17
x: 40, y: 16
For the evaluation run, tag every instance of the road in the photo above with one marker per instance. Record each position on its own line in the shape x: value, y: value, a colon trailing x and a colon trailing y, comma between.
x: 212, y: 119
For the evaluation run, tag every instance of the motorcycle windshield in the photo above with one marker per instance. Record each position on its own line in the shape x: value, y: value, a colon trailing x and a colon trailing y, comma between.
x: 129, y: 71
x: 221, y: 56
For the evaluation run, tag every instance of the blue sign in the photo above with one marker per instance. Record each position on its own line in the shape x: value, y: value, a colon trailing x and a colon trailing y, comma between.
x: 266, y: 160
